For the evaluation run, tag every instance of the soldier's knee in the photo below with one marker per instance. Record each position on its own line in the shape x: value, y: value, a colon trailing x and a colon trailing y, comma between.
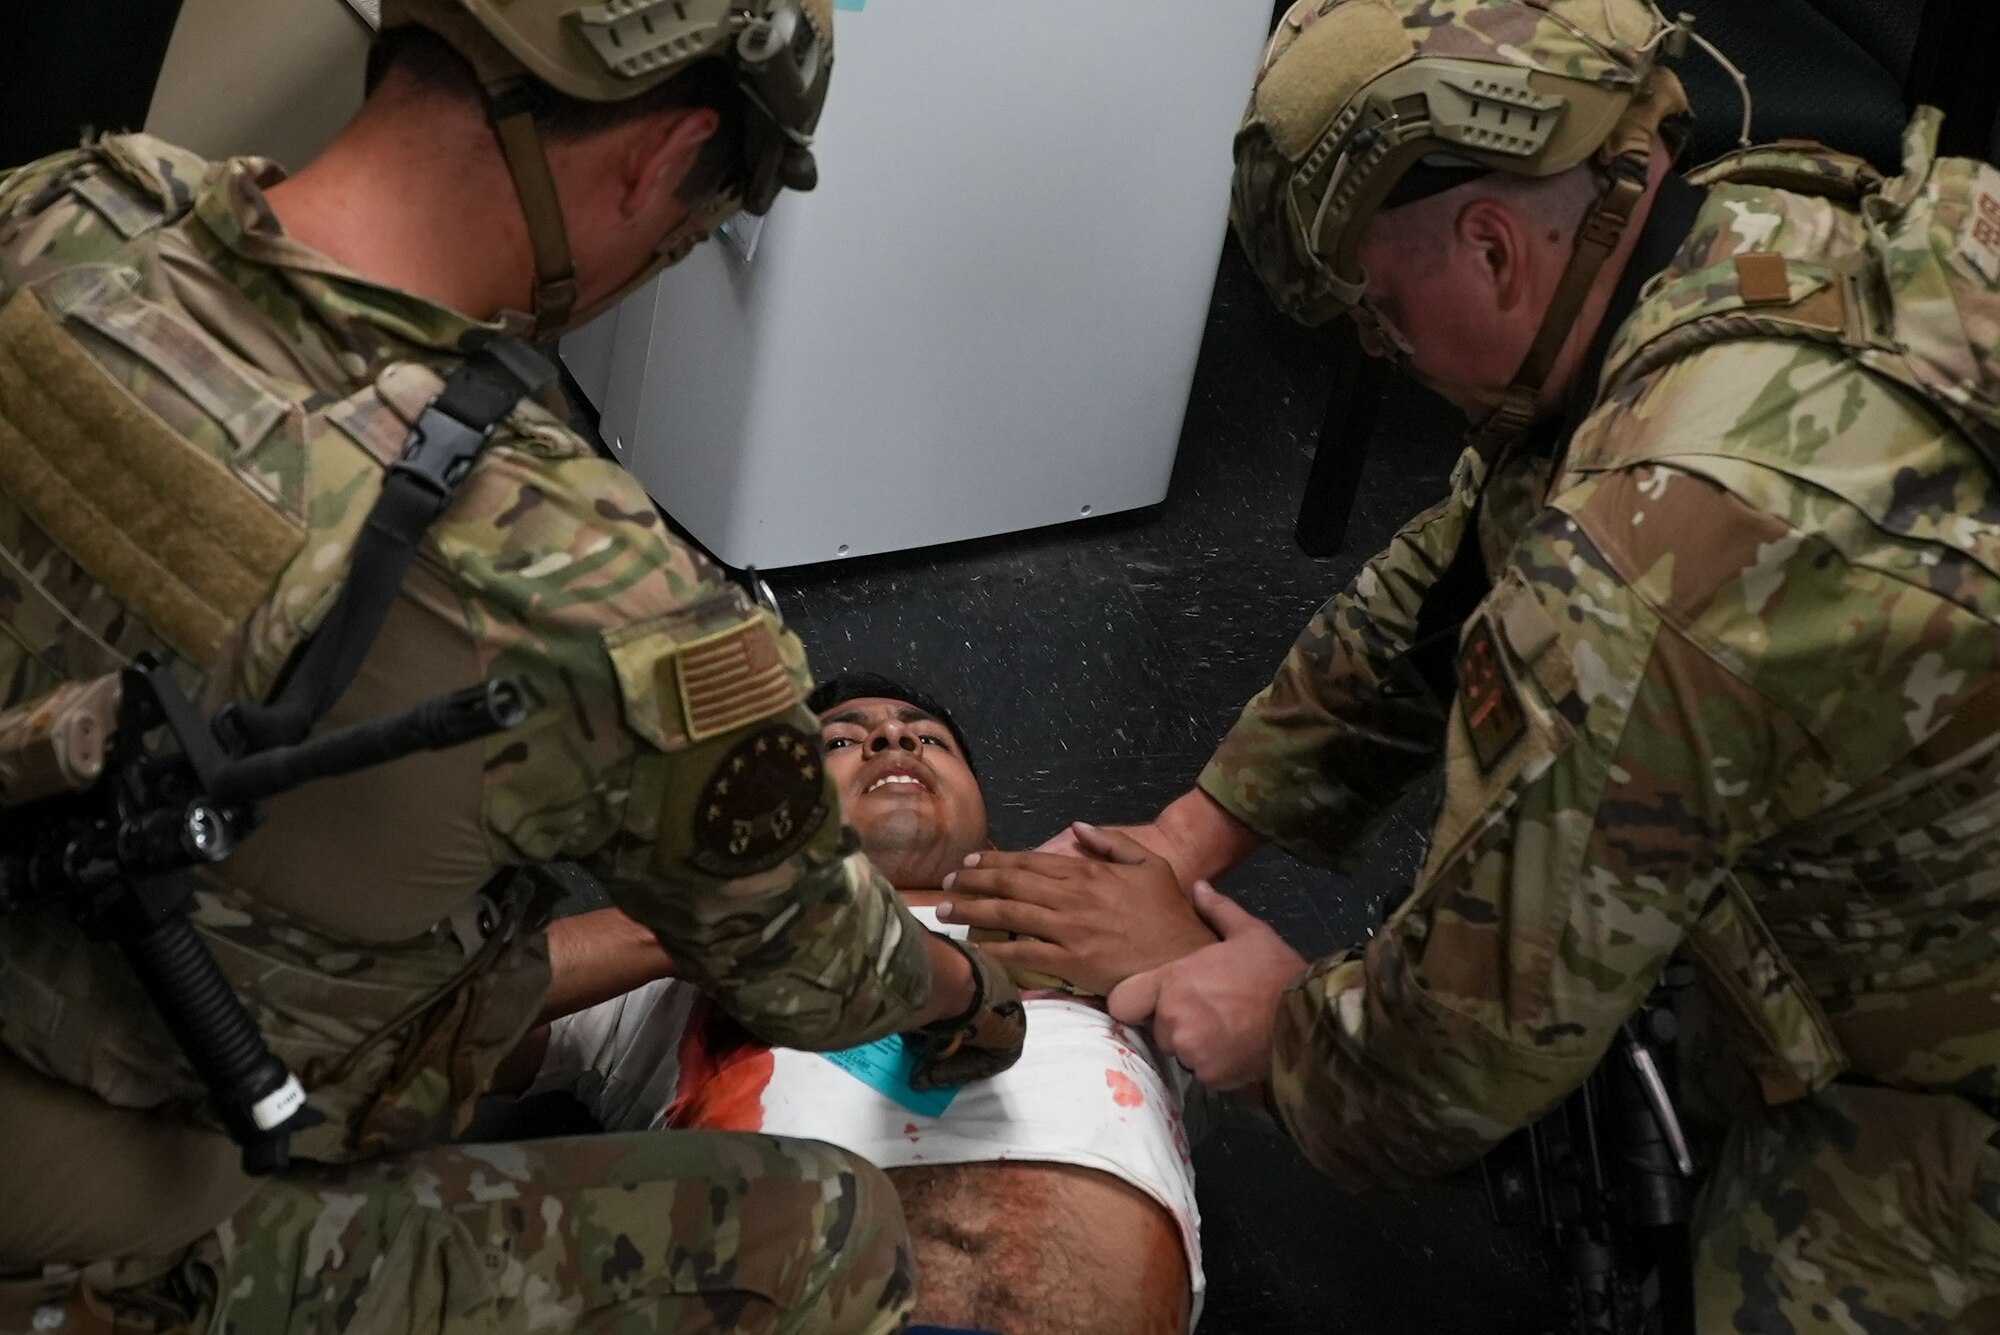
x: 864, y: 1278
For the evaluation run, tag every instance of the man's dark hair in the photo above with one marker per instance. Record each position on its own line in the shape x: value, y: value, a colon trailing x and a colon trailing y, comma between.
x: 875, y: 686
x: 427, y: 59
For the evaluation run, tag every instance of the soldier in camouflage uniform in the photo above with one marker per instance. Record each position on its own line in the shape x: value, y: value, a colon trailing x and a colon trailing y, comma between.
x: 1730, y: 687
x: 197, y: 407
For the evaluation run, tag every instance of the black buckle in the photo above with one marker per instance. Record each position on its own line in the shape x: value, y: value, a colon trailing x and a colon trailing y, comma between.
x: 440, y: 452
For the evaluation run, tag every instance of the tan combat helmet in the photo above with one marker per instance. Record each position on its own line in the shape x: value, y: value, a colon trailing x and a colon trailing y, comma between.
x: 781, y: 52
x: 1355, y: 96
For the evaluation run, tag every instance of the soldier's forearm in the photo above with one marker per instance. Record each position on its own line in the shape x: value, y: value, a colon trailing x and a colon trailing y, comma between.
x: 1200, y: 838
x: 594, y: 957
x: 951, y: 984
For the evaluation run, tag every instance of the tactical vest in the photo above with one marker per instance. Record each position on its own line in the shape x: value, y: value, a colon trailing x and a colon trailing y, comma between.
x: 393, y: 1041
x: 1918, y: 304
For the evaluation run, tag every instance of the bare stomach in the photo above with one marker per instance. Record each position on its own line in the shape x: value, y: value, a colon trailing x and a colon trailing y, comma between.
x: 1042, y: 1249
x: 1039, y: 1248
x: 1017, y: 1248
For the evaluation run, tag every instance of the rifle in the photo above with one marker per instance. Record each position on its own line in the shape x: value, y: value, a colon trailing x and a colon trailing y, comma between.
x: 1610, y: 1176
x: 114, y: 790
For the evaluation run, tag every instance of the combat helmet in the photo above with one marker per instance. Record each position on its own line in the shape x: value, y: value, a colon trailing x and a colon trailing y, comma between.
x: 780, y: 52
x: 1364, y: 104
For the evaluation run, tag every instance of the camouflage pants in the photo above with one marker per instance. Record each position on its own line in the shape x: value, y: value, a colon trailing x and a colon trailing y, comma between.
x: 1859, y: 1210
x: 650, y: 1232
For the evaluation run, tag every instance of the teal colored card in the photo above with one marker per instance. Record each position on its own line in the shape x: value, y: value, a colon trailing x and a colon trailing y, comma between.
x: 886, y: 1066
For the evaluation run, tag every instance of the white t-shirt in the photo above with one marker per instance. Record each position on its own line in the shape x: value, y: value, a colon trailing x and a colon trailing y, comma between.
x: 1087, y: 1091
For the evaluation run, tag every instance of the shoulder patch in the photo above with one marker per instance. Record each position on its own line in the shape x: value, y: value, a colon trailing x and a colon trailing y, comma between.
x: 764, y: 801
x: 732, y: 678
x: 1978, y: 242
x: 1493, y: 715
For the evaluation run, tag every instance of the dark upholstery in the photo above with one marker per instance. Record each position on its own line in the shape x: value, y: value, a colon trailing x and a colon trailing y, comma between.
x: 76, y: 66
x: 1830, y: 70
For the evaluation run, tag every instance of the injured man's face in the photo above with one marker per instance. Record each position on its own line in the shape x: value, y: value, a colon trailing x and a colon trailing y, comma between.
x: 906, y: 786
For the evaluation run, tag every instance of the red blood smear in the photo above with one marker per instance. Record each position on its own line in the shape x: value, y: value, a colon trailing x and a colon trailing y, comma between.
x: 724, y: 1073
x: 1124, y: 1091
x: 910, y: 1130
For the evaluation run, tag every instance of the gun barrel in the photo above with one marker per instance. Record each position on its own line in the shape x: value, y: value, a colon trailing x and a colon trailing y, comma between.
x: 435, y: 725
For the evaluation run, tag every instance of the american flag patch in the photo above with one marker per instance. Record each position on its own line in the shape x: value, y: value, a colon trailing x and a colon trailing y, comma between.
x: 732, y: 679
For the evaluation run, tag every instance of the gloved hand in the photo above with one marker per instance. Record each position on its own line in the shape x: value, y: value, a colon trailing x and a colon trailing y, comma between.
x: 982, y: 1042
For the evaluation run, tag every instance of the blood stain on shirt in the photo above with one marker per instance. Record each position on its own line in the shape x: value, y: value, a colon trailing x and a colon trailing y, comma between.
x: 724, y: 1073
x: 910, y: 1130
x: 1125, y: 1091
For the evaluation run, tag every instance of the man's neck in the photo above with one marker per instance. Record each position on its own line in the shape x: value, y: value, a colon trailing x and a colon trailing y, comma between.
x: 431, y: 213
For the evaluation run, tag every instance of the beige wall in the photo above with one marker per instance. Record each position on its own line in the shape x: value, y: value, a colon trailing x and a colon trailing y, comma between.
x: 272, y: 77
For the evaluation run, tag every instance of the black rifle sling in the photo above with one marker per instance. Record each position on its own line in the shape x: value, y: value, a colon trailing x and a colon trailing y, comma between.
x: 440, y: 451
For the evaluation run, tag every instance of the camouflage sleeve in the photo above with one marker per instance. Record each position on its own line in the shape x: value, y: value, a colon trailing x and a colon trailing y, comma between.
x: 1612, y: 750
x: 20, y: 183
x: 1335, y: 738
x: 24, y: 196
x: 674, y: 754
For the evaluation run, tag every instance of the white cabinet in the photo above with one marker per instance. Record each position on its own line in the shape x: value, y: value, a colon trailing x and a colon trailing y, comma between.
x: 984, y: 320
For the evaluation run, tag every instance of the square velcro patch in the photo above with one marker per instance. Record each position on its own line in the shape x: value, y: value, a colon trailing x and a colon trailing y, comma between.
x: 732, y: 679
x: 171, y: 532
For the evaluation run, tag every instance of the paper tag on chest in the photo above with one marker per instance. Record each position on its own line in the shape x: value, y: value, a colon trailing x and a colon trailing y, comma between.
x: 886, y: 1066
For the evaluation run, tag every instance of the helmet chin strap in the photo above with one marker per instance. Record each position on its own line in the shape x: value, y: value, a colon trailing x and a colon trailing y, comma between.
x: 512, y: 98
x: 1516, y: 407
x: 510, y: 109
x: 1628, y: 161
x: 685, y: 235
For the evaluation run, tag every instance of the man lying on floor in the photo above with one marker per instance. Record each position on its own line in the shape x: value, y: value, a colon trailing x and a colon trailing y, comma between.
x: 1055, y: 1198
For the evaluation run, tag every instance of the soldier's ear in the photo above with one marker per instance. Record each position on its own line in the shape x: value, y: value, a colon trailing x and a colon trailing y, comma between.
x: 661, y: 152
x: 1494, y: 247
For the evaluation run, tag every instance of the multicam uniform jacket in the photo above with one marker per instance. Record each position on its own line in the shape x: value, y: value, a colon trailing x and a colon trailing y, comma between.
x: 195, y: 415
x: 1731, y: 690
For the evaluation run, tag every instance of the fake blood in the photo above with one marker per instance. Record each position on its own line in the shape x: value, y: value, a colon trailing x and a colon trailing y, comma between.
x: 724, y: 1073
x: 1124, y: 1091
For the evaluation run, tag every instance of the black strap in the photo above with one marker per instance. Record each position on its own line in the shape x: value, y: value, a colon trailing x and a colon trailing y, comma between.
x: 1451, y: 601
x: 440, y: 451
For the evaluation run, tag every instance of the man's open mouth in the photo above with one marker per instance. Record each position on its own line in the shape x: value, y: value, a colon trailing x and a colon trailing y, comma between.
x: 897, y: 778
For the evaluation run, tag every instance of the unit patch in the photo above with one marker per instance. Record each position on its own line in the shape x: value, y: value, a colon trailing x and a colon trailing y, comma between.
x: 762, y: 804
x: 1979, y: 238
x: 1493, y: 716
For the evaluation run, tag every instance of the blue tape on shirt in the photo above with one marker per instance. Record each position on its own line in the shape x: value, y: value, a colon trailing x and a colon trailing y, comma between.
x: 849, y: 4
x: 886, y: 1066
